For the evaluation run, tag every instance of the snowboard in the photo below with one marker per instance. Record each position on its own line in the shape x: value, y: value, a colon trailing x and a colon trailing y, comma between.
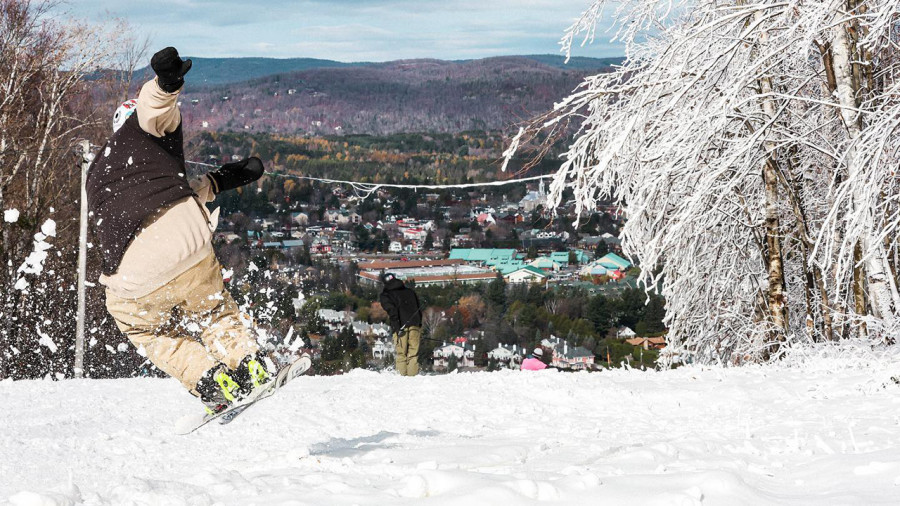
x: 189, y: 424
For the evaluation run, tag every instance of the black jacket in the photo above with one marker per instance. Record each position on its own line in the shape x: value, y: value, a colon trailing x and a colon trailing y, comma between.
x: 401, y: 304
x: 134, y: 175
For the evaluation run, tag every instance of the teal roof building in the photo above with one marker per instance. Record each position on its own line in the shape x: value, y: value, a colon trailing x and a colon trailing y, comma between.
x: 487, y: 256
x: 614, y: 262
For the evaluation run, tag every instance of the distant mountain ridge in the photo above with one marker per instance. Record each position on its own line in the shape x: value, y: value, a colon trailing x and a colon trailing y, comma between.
x: 425, y: 95
x: 216, y: 71
x: 213, y: 71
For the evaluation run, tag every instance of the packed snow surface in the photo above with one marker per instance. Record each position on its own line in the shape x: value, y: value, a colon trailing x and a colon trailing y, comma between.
x: 823, y: 431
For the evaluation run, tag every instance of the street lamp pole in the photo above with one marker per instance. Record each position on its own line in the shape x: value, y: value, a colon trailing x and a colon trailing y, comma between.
x: 86, y: 158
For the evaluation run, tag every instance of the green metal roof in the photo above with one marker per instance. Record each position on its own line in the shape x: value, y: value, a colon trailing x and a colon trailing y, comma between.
x: 460, y: 253
x: 543, y: 262
x: 510, y: 267
x: 532, y: 269
x: 482, y: 254
x: 613, y: 261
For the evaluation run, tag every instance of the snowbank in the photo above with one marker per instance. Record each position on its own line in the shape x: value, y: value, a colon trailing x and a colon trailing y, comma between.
x: 826, y: 433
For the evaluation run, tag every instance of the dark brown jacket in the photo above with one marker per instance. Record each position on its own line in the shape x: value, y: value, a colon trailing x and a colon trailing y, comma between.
x: 134, y: 174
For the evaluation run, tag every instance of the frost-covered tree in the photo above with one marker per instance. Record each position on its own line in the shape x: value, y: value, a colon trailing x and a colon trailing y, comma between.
x: 753, y: 148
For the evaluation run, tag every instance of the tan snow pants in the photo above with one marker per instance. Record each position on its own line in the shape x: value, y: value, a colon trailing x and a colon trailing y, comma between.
x: 188, y: 325
x: 406, y: 344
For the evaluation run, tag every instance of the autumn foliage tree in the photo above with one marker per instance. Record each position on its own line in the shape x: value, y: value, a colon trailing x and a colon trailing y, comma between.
x: 45, y: 104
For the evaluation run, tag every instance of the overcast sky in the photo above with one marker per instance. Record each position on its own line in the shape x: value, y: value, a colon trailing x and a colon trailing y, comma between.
x: 351, y: 30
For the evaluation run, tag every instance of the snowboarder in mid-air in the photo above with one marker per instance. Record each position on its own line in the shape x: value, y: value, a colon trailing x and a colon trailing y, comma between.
x: 164, y: 286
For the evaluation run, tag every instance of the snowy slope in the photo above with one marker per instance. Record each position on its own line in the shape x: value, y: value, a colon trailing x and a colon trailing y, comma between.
x: 827, y: 432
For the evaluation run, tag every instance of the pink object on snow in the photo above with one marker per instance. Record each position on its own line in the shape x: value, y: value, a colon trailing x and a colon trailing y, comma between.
x: 533, y: 364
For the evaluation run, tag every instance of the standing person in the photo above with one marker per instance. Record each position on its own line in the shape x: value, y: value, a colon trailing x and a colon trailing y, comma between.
x: 164, y: 286
x: 534, y: 362
x: 402, y: 306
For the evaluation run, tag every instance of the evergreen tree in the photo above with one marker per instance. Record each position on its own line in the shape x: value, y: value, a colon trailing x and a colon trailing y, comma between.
x: 305, y: 258
x: 600, y: 313
x: 429, y: 241
x: 654, y: 314
x: 308, y: 316
x: 527, y: 315
x: 348, y: 340
x: 496, y: 292
x: 452, y: 362
x: 631, y: 307
x: 330, y: 349
x: 535, y: 295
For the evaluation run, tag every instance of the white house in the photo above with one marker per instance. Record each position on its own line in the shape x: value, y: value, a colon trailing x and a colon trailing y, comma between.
x: 396, y: 247
x: 507, y: 355
x: 465, y: 355
x: 382, y: 347
x: 568, y: 357
x: 414, y: 234
x: 527, y: 274
x: 381, y: 330
x: 338, y: 216
x: 335, y: 320
x: 624, y: 332
x: 361, y: 328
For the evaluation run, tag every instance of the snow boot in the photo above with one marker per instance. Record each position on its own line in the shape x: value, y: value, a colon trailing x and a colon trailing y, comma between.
x: 221, y: 387
x: 252, y: 373
x: 217, y: 389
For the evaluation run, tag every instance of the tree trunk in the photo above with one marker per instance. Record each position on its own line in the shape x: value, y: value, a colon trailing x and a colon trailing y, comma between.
x: 775, y: 266
x: 859, y: 288
x: 871, y: 250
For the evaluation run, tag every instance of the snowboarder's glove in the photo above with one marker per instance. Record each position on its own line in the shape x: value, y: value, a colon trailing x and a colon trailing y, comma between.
x: 236, y: 174
x: 170, y: 69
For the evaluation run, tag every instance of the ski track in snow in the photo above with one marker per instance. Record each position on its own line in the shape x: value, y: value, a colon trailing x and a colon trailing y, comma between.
x: 690, y: 436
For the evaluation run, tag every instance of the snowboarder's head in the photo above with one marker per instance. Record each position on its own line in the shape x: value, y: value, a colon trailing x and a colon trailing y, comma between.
x: 391, y: 281
x: 538, y: 352
x: 123, y: 113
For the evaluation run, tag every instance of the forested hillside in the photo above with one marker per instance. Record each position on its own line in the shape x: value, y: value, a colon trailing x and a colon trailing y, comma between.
x: 402, y: 157
x: 385, y: 98
x: 218, y: 71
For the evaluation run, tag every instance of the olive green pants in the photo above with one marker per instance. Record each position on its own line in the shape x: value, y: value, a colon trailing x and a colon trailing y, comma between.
x: 187, y: 326
x: 406, y: 344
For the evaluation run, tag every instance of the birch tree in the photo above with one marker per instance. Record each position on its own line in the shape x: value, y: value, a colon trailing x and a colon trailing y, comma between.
x: 752, y: 146
x: 43, y: 108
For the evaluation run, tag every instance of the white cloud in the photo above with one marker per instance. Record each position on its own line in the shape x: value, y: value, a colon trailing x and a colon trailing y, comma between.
x: 352, y: 30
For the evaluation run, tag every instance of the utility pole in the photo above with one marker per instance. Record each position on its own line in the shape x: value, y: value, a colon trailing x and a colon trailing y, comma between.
x: 86, y: 158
